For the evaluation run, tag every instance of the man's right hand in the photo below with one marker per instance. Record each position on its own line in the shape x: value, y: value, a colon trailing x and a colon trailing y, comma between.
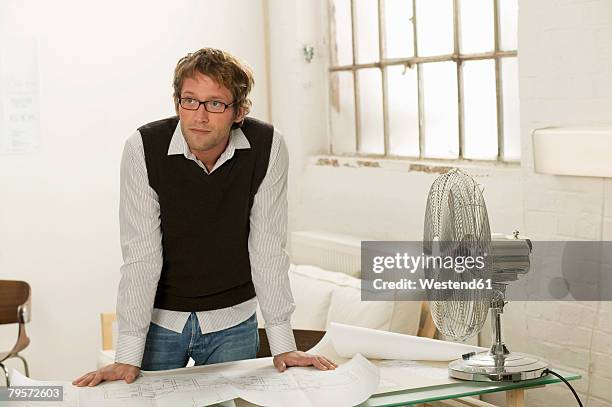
x: 116, y: 371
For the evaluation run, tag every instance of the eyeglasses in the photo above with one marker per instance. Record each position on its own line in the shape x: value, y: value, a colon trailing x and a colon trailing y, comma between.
x: 211, y: 106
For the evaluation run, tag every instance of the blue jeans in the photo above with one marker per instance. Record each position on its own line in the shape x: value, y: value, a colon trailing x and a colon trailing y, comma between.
x: 166, y: 349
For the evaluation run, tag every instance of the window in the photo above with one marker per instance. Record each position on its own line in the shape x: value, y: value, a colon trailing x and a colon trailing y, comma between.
x: 435, y: 79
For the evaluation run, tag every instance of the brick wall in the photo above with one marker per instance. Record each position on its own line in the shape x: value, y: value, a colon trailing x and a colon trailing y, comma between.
x: 565, y: 75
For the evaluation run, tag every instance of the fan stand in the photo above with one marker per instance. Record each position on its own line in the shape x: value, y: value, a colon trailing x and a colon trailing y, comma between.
x: 498, y: 364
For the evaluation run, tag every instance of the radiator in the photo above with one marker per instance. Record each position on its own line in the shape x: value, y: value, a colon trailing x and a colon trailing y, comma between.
x: 329, y: 251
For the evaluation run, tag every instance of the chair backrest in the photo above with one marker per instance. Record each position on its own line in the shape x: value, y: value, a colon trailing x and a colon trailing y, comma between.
x: 107, y: 319
x: 14, y: 302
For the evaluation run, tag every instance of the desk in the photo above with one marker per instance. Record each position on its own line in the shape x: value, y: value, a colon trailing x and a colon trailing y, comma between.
x: 515, y: 392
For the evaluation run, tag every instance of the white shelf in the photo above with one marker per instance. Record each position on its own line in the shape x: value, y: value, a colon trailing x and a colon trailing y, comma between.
x: 573, y: 150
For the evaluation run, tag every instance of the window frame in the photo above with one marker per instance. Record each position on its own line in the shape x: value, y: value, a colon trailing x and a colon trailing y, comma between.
x: 417, y: 61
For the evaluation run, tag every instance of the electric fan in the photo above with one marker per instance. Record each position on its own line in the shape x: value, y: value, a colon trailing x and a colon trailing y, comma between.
x: 456, y: 225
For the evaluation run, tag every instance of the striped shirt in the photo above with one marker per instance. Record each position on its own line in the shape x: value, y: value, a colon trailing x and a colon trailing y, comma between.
x: 141, y: 244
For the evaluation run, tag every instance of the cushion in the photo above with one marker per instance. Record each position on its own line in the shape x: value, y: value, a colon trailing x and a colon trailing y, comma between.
x: 311, y: 288
x: 323, y: 296
x: 396, y: 316
x: 347, y: 308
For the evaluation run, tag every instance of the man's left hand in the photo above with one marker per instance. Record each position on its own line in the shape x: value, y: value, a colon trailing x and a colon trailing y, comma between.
x: 297, y: 358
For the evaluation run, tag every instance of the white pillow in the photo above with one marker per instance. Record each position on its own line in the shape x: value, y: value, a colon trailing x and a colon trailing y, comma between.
x: 394, y: 316
x: 347, y: 308
x: 311, y: 288
x: 317, y: 273
x: 323, y: 296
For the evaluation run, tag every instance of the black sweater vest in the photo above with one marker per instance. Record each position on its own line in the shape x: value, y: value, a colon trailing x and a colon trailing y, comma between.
x: 205, y: 219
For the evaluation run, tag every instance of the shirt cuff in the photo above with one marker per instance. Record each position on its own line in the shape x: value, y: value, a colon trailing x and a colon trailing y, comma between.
x: 130, y: 350
x: 281, y: 338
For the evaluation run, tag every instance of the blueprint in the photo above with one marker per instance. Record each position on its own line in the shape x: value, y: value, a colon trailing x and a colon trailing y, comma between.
x: 255, y: 381
x: 398, y: 362
x: 350, y: 384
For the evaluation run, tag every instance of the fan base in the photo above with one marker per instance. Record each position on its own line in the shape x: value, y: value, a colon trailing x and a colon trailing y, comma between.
x: 484, y: 367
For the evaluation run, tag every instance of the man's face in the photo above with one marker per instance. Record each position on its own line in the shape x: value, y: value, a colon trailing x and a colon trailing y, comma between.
x: 204, y: 131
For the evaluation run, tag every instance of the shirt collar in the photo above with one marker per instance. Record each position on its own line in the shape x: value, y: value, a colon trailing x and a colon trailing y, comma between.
x: 178, y: 145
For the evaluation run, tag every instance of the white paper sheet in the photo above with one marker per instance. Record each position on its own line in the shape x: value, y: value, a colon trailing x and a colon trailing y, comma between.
x: 350, y: 340
x: 395, y: 374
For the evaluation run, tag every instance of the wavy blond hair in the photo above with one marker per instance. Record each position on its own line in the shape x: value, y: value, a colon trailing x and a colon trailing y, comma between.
x: 224, y: 68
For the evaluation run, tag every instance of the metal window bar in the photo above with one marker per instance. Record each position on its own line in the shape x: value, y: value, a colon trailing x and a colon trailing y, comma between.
x: 456, y: 57
x: 498, y: 84
x: 459, y: 66
x: 382, y: 53
x: 334, y: 97
x: 419, y: 82
x: 355, y: 78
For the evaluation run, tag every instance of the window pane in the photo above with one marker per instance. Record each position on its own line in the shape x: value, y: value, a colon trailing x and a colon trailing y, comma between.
x: 434, y: 27
x: 440, y: 105
x: 480, y: 110
x: 510, y: 91
x: 342, y: 112
x: 399, y: 38
x: 477, y: 26
x: 508, y: 16
x: 371, y: 111
x: 342, y: 43
x: 403, y: 111
x: 367, y: 30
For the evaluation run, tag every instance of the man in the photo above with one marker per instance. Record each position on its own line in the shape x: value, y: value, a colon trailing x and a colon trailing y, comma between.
x: 203, y: 215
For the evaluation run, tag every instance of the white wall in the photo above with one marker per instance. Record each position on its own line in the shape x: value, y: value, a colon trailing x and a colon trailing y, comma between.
x: 297, y: 90
x: 105, y: 68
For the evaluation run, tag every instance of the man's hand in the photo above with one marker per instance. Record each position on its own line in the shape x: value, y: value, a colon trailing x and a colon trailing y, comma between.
x: 297, y: 358
x: 116, y: 371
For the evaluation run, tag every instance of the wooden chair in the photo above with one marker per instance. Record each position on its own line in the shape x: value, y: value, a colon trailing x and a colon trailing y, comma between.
x: 427, y: 327
x: 107, y: 319
x: 15, y: 309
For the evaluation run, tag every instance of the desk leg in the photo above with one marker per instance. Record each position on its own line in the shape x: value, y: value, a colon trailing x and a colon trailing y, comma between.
x: 515, y: 398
